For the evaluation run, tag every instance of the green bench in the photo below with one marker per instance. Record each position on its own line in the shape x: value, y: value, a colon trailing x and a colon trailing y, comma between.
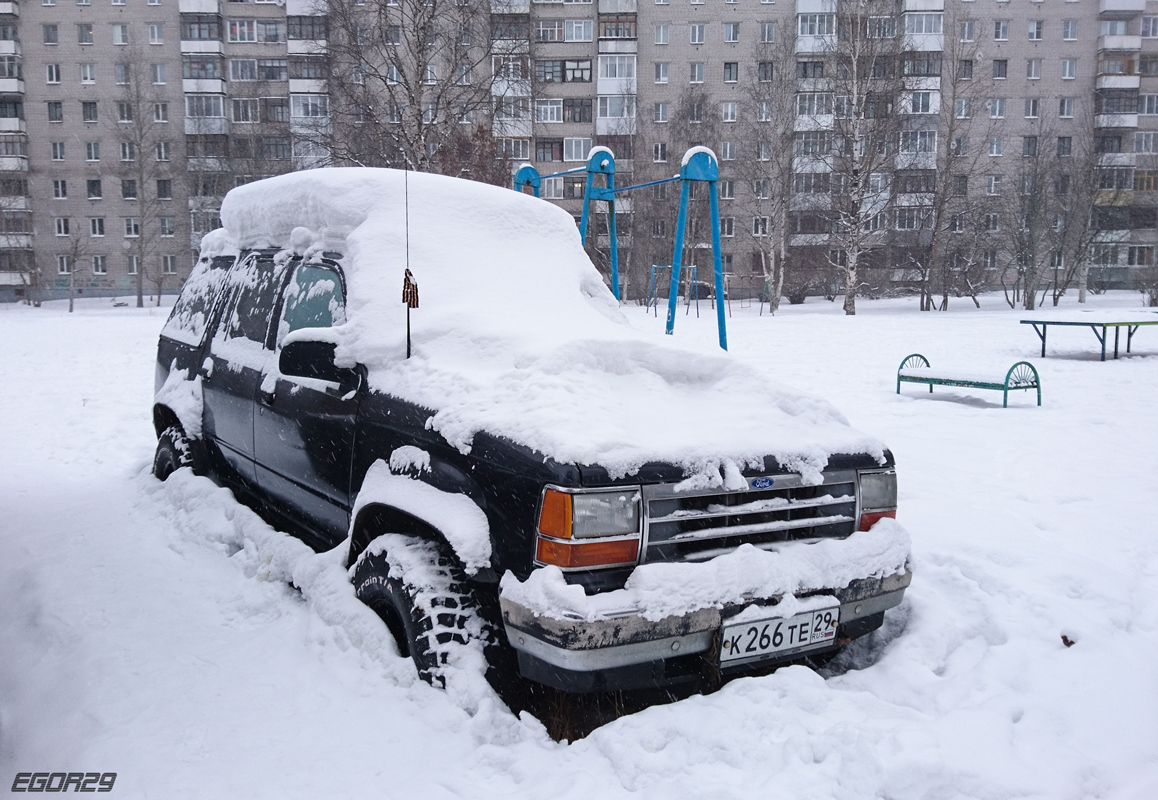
x: 916, y: 369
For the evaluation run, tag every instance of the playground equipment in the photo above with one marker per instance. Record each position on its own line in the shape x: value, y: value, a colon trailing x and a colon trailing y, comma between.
x: 699, y: 165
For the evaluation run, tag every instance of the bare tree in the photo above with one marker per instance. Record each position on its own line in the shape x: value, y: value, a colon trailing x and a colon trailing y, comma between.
x: 851, y: 126
x: 411, y: 82
x: 145, y: 150
x: 766, y: 156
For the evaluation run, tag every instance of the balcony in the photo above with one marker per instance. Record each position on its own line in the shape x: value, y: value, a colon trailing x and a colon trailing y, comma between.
x: 617, y: 6
x: 1121, y: 7
x: 1118, y: 82
x: 1116, y: 121
x: 10, y: 8
x: 1119, y: 42
x: 12, y: 125
x: 814, y: 122
x: 815, y: 6
x: 924, y: 5
x: 925, y: 42
x: 13, y: 164
x: 615, y: 126
x: 615, y: 86
x: 825, y: 43
x: 206, y: 125
x: 11, y: 86
x: 202, y: 86
x: 307, y: 86
x: 306, y: 47
x: 510, y: 6
x: 9, y: 47
x: 202, y: 46
x: 507, y: 87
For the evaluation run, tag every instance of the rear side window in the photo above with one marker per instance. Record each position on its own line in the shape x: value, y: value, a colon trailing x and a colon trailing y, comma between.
x: 314, y: 298
x: 191, y: 312
x: 256, y: 283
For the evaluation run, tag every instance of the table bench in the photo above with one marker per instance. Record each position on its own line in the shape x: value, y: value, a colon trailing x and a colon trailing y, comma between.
x: 916, y: 369
x: 1117, y: 322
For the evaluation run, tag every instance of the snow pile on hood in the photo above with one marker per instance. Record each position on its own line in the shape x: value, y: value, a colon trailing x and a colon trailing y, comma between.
x: 517, y: 335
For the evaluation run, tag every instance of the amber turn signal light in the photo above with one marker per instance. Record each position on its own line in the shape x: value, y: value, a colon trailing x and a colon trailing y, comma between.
x: 555, y: 515
x: 587, y: 554
x: 870, y: 518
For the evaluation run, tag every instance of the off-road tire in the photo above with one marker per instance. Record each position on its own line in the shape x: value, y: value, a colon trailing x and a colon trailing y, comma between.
x: 174, y: 450
x: 429, y: 615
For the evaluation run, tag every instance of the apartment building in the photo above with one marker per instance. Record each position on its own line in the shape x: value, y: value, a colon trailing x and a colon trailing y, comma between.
x: 124, y: 122
x: 1027, y: 79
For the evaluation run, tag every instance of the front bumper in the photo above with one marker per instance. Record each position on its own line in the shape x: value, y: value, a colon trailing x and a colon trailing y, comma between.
x: 627, y: 651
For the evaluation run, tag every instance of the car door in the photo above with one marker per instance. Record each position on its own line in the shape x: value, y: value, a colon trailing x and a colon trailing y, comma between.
x: 237, y: 359
x: 304, y: 428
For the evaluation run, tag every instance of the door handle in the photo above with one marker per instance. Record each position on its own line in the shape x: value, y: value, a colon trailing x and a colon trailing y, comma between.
x: 266, y: 397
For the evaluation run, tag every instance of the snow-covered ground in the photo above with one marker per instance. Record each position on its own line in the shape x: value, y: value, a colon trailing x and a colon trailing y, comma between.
x: 151, y: 630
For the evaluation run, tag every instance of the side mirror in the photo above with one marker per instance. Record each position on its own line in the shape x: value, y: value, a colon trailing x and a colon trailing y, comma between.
x: 304, y: 359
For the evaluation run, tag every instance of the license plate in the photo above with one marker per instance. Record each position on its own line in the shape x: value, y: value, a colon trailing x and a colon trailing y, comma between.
x: 766, y: 636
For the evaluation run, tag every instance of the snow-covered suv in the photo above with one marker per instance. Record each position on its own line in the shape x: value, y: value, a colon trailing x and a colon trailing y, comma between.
x: 622, y: 510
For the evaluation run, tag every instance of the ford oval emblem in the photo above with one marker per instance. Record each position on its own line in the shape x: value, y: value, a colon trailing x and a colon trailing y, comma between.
x: 762, y: 483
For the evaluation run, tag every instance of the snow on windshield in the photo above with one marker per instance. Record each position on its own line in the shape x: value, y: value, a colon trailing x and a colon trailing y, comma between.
x: 517, y: 334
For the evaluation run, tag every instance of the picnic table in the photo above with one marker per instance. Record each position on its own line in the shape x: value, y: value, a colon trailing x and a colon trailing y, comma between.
x: 1097, y: 321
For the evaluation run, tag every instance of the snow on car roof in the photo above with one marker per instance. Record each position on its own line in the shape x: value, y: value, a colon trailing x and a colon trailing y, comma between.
x: 517, y: 334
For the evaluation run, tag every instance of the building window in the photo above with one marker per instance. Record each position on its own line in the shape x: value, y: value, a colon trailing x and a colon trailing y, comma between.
x: 576, y: 149
x: 731, y: 32
x: 53, y: 71
x: 727, y: 189
x: 164, y: 189
x: 165, y: 226
x: 921, y: 102
x: 729, y: 111
x: 997, y: 108
x: 995, y: 145
x: 549, y: 110
x: 731, y: 72
x: 61, y: 224
x: 1032, y: 107
x: 201, y: 27
x: 311, y: 106
x: 727, y: 227
x: 92, y: 151
x: 120, y: 34
x: 1070, y: 29
x: 158, y: 72
x: 156, y: 34
x: 577, y: 30
x: 696, y: 72
x: 84, y: 33
x: 661, y: 72
x: 963, y: 108
x: 62, y: 265
x: 660, y: 112
x: 128, y: 189
x: 169, y: 265
x: 818, y: 24
x: 124, y: 112
x: 1029, y: 146
x: 922, y: 23
x: 661, y: 33
x: 88, y: 73
x: 51, y: 34
x: 57, y: 151
x: 760, y: 226
x: 88, y: 111
x: 60, y: 190
x: 1036, y: 30
x: 659, y: 152
x: 204, y: 105
x: 697, y: 33
x: 1000, y: 68
x: 131, y: 265
x: 1069, y: 68
x: 1065, y: 107
x: 767, y: 32
x: 1033, y: 69
x: 764, y: 71
x: 121, y: 74
x: 727, y: 151
x: 160, y: 112
x: 132, y: 227
x: 966, y: 31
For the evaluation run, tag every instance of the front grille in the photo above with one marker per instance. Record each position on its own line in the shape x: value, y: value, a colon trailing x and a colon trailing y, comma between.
x: 698, y: 525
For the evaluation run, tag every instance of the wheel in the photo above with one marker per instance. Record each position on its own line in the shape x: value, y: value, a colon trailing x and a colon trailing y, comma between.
x: 174, y: 450
x: 421, y: 593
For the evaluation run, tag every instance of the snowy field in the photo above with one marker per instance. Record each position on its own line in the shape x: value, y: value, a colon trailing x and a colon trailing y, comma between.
x: 150, y: 630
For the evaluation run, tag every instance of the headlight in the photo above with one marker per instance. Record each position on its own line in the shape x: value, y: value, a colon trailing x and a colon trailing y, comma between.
x: 878, y: 490
x: 609, y: 518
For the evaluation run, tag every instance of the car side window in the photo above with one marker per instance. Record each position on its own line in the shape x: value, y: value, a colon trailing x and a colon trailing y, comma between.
x: 314, y: 298
x: 194, y: 306
x: 256, y: 282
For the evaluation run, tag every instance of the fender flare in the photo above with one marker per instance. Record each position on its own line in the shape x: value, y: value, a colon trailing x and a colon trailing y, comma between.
x: 399, y: 503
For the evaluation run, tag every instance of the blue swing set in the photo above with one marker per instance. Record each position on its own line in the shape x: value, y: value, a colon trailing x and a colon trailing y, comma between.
x: 699, y: 165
